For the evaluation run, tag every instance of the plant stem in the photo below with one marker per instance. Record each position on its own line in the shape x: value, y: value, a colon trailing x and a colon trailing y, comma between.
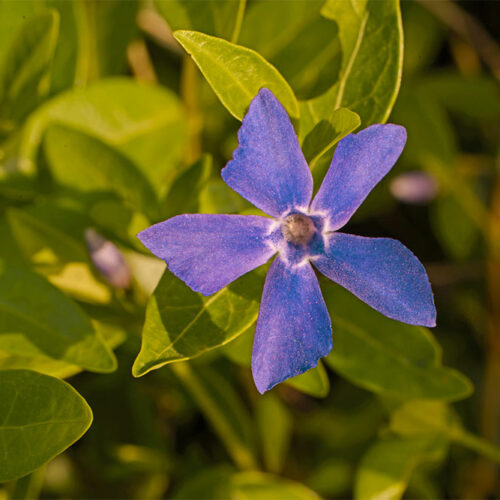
x: 478, y: 444
x: 189, y: 95
x: 28, y: 487
x: 241, y: 455
x: 239, y: 21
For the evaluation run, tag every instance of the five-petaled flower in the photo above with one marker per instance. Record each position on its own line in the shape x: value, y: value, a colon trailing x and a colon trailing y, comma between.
x: 268, y: 168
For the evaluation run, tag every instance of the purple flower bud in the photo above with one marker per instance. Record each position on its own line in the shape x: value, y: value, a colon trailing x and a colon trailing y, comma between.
x: 414, y: 187
x: 108, y: 259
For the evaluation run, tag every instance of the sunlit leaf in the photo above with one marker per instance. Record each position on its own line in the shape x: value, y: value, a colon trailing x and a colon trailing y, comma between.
x: 236, y: 73
x: 144, y: 122
x: 45, y: 323
x: 181, y: 324
x: 260, y: 486
x: 40, y: 417
x: 372, y: 56
x: 386, y: 468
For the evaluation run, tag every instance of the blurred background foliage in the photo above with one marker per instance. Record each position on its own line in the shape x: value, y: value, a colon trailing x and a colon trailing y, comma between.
x: 107, y: 125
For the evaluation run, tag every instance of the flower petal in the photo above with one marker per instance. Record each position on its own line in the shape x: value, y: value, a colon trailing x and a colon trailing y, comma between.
x: 360, y: 161
x: 383, y: 273
x: 208, y: 252
x: 293, y: 329
x: 268, y: 167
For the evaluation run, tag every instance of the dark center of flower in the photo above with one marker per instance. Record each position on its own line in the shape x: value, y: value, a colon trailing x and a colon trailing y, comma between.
x: 298, y: 229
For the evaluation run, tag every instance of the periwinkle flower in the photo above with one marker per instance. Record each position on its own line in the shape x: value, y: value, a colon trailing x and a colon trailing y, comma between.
x: 268, y: 168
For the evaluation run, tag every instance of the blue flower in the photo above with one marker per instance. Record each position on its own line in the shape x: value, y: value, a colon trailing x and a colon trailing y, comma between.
x: 268, y: 168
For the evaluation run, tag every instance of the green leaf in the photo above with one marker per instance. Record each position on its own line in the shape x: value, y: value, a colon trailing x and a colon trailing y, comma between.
x: 223, y: 408
x: 260, y: 486
x: 314, y: 382
x: 454, y: 227
x: 387, y: 466
x: 214, y: 17
x: 184, y: 194
x: 275, y: 426
x: 477, y: 97
x: 51, y: 239
x: 236, y: 73
x: 45, y: 323
x: 40, y: 416
x: 26, y: 66
x: 324, y: 134
x: 294, y: 38
x: 84, y: 163
x: 371, y: 40
x: 386, y: 356
x: 112, y: 335
x: 181, y: 324
x: 143, y: 121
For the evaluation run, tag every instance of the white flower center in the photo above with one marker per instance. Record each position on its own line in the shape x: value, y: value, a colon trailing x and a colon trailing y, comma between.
x: 298, y: 229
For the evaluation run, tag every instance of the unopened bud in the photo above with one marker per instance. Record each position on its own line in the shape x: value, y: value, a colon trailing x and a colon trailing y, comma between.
x: 108, y: 259
x: 414, y: 187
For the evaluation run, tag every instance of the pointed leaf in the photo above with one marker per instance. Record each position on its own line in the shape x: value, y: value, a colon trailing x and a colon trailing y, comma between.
x: 236, y: 73
x: 181, y: 324
x: 371, y: 41
x: 40, y: 416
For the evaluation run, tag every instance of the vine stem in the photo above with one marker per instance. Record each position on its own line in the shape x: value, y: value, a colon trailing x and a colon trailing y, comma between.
x: 241, y: 455
x: 239, y: 21
x: 189, y: 95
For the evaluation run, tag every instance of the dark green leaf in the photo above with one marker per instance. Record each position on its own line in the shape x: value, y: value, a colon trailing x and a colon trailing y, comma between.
x: 324, y: 134
x: 213, y: 17
x: 40, y: 416
x: 26, y: 67
x: 275, y: 425
x: 83, y: 162
x: 184, y: 194
x: 45, y: 323
x: 293, y: 36
x: 223, y: 408
x: 236, y: 73
x: 386, y: 356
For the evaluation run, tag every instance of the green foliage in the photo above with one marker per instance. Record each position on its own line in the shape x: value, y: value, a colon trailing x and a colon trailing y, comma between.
x: 388, y: 357
x: 181, y: 324
x: 44, y: 323
x: 236, y: 73
x: 115, y: 115
x: 96, y: 167
x: 40, y: 417
x: 26, y: 68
